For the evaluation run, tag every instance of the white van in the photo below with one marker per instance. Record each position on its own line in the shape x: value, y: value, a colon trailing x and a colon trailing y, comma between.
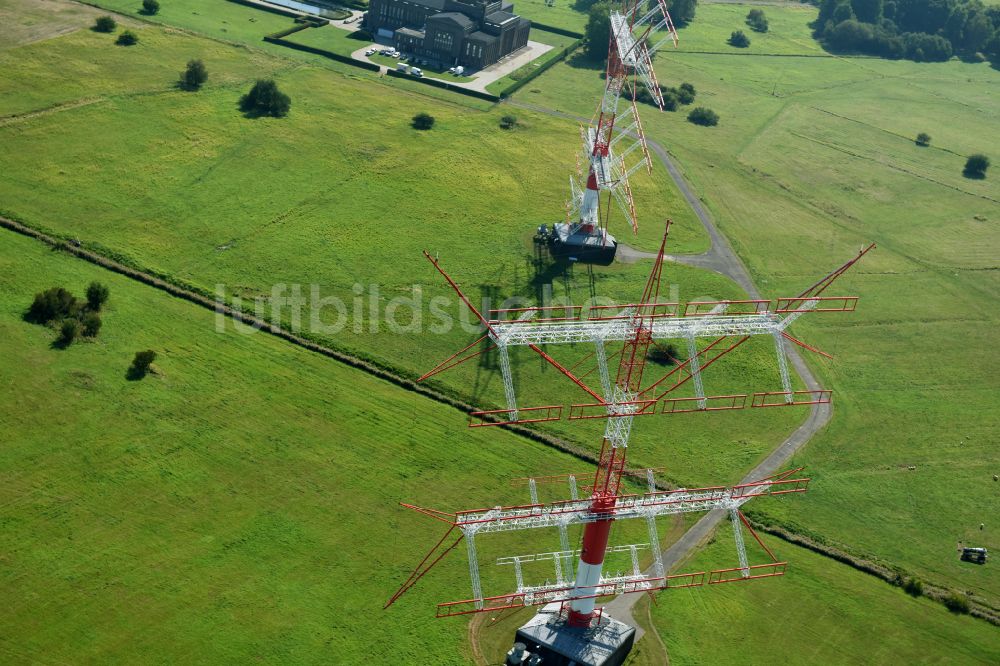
x: 402, y: 67
x: 416, y: 71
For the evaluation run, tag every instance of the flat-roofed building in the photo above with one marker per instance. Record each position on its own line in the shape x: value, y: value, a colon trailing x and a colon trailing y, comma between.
x: 474, y: 34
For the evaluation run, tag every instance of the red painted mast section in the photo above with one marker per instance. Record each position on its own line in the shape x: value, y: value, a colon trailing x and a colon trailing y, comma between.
x: 607, y: 480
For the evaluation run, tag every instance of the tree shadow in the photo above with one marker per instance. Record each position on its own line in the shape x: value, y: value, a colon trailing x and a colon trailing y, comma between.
x: 134, y: 374
x: 974, y: 175
x: 581, y: 60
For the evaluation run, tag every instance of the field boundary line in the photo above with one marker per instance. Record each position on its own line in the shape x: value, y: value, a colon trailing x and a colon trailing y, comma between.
x: 356, y: 362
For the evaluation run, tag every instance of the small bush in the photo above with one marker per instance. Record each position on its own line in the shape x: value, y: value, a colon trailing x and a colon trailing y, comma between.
x: 194, y: 76
x: 913, y: 587
x: 264, y: 99
x: 68, y: 332
x: 702, y: 116
x: 757, y: 21
x: 127, y: 38
x: 923, y: 139
x: 423, y: 121
x: 97, y: 295
x: 140, y: 364
x: 957, y: 603
x: 739, y: 39
x: 105, y: 24
x: 51, y: 305
x: 976, y: 166
x: 150, y: 7
x: 688, y: 87
x: 508, y: 122
x: 684, y: 96
x: 91, y: 323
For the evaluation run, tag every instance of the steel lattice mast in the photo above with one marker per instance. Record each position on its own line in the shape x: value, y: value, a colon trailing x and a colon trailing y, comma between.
x: 610, y: 143
x: 620, y: 400
x: 710, y: 330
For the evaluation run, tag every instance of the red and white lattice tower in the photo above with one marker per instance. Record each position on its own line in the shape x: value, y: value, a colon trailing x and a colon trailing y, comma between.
x: 614, y: 145
x: 621, y: 398
x: 710, y: 330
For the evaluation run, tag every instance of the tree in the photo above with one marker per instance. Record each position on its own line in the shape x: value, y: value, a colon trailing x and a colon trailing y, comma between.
x: 923, y: 139
x: 105, y: 24
x: 508, y: 122
x: 598, y: 31
x: 91, y: 322
x: 140, y: 364
x: 264, y: 99
x: 51, y: 305
x: 68, y: 332
x: 423, y: 121
x: 150, y: 7
x: 670, y: 101
x: 688, y: 87
x: 682, y: 11
x: 97, y: 295
x: 194, y: 76
x: 702, y: 116
x: 868, y: 11
x: 757, y: 21
x: 976, y: 33
x: 684, y: 96
x: 976, y: 166
x: 739, y: 39
x: 127, y: 38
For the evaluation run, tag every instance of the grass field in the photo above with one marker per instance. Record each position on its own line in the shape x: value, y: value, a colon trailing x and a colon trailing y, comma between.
x: 184, y: 185
x: 820, y: 612
x: 559, y: 42
x: 805, y: 165
x: 330, y: 38
x: 238, y: 505
x: 562, y: 14
x: 812, y: 158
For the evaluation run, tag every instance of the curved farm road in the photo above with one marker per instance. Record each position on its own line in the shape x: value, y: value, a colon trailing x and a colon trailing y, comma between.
x: 721, y: 259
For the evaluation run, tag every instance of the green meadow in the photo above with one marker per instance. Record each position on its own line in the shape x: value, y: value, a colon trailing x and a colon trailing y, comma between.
x: 813, y: 158
x: 344, y: 194
x: 819, y: 612
x: 240, y: 503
